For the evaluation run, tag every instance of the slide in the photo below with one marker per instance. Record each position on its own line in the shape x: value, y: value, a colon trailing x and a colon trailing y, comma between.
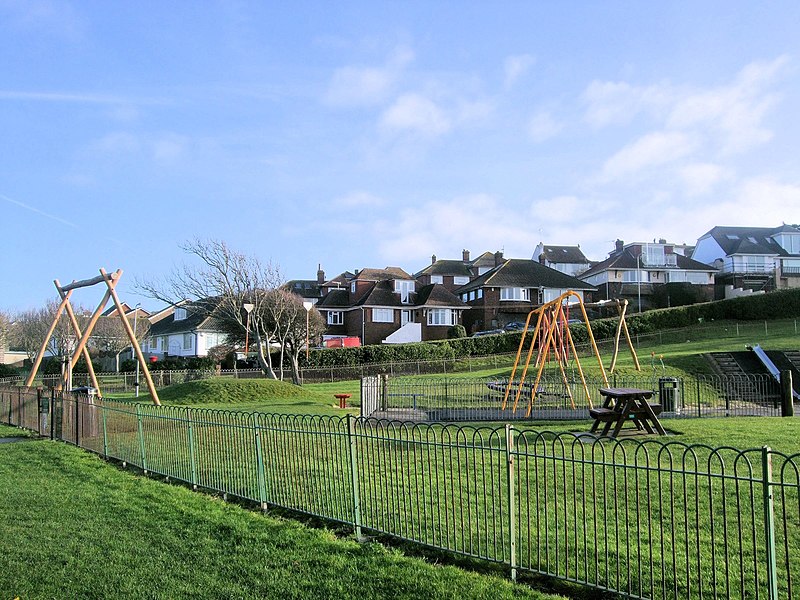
x: 765, y: 360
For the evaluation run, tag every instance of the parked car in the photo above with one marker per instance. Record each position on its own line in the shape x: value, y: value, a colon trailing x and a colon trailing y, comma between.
x: 487, y: 332
x: 514, y: 326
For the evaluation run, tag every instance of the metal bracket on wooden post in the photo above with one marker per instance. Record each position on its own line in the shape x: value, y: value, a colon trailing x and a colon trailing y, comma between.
x: 351, y: 438
x: 512, y: 526
x: 769, y: 524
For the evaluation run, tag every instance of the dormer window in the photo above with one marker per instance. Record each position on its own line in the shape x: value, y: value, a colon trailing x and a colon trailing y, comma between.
x: 405, y: 288
x: 180, y: 314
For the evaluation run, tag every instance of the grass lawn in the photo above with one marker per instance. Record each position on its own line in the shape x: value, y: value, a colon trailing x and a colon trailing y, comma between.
x: 75, y: 527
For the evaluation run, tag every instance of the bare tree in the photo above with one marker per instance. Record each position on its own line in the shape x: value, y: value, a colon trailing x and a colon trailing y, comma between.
x: 30, y: 328
x: 110, y: 338
x: 229, y: 280
x: 298, y: 329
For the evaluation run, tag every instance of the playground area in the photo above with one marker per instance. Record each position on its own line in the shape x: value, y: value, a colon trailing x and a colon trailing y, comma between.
x: 549, y: 380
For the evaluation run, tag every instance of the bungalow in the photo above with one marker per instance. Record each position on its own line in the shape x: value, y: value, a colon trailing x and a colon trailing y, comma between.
x: 187, y: 329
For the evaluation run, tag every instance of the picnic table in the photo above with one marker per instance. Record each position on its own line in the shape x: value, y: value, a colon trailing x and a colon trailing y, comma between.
x: 623, y: 405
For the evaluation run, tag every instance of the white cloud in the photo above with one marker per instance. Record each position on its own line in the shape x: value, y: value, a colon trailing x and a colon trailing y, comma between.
x: 169, y: 148
x: 359, y: 199
x: 617, y: 103
x: 441, y: 227
x: 417, y: 114
x: 515, y: 67
x: 702, y: 178
x: 355, y: 86
x: 543, y: 126
x: 653, y: 149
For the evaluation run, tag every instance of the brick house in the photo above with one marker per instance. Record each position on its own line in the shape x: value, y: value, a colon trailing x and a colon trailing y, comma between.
x: 507, y: 292
x: 388, y: 306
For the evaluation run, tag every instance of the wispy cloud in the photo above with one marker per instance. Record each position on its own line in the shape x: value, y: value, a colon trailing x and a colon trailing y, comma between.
x: 358, y: 86
x: 650, y: 150
x: 359, y: 199
x: 415, y: 113
x: 515, y: 67
x: 543, y: 126
x: 78, y: 98
x: 33, y: 209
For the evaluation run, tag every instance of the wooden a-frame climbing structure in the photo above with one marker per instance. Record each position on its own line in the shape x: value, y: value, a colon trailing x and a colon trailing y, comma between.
x: 552, y: 337
x: 111, y: 281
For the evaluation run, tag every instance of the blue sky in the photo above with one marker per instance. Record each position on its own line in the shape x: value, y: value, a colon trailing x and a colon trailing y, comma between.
x: 368, y: 134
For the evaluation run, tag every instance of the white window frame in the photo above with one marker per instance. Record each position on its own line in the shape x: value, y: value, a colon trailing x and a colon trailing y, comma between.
x: 460, y: 280
x: 335, y: 317
x: 383, y: 315
x: 515, y: 294
x: 405, y: 288
x: 188, y: 341
x: 442, y: 317
x: 437, y: 279
x: 180, y: 314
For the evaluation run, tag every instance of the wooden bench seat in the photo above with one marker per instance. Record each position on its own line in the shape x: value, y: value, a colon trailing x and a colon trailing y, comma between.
x: 603, y: 414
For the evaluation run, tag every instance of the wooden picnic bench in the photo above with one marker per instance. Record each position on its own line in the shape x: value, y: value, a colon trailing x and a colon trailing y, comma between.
x: 623, y: 405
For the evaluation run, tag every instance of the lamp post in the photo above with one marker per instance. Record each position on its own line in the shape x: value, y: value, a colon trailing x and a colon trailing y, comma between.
x: 307, y: 304
x: 248, y: 308
x: 133, y: 352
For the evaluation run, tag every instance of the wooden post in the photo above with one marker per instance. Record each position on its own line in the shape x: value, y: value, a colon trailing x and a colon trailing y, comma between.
x: 74, y: 321
x: 40, y: 354
x: 137, y: 349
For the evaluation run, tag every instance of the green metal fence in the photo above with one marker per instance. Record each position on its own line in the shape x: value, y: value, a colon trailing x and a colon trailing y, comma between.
x: 461, y: 399
x: 645, y: 519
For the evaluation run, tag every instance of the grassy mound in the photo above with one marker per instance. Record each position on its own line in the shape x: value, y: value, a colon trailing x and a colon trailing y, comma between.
x: 232, y: 391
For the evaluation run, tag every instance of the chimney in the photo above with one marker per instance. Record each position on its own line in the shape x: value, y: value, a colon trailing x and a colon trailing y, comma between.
x: 320, y: 275
x: 498, y: 257
x: 465, y: 256
x: 433, y: 258
x: 619, y: 245
x: 662, y: 241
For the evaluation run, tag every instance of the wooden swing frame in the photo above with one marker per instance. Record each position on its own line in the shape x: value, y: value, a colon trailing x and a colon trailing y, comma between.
x: 111, y: 281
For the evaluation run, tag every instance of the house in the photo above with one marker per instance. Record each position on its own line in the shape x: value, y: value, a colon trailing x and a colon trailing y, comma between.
x: 567, y: 259
x: 640, y: 271
x: 388, y: 306
x: 751, y: 258
x: 452, y: 274
x: 310, y: 290
x: 187, y: 329
x: 507, y: 292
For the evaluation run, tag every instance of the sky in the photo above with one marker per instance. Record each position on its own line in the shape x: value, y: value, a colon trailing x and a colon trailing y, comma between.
x: 374, y: 134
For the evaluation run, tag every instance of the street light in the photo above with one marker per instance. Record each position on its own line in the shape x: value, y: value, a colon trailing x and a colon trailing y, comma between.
x: 639, y: 278
x: 307, y: 304
x: 248, y: 308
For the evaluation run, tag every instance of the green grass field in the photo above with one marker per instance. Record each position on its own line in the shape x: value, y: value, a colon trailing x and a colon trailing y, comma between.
x: 75, y: 527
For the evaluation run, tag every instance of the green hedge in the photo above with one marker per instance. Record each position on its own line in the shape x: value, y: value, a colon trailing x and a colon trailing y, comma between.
x: 776, y: 305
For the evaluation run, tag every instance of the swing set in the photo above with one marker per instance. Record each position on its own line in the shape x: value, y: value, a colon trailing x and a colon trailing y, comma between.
x: 554, y: 344
x: 111, y: 281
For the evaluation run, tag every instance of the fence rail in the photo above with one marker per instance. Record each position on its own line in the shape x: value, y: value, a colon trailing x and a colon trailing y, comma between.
x: 645, y: 519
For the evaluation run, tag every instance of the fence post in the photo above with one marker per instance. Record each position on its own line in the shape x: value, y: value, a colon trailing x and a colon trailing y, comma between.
x: 351, y: 437
x: 512, y: 528
x: 141, y: 437
x: 105, y: 431
x: 769, y: 523
x: 53, y: 413
x: 697, y: 388
x: 787, y: 405
x: 262, y: 480
x: 192, y: 463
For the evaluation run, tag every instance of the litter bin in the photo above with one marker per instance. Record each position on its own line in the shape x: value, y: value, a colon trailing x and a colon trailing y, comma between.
x: 669, y: 394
